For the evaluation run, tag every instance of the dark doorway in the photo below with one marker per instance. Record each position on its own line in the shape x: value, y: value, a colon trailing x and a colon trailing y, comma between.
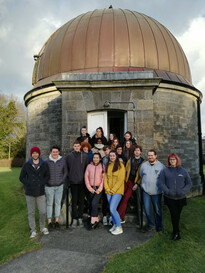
x: 116, y: 123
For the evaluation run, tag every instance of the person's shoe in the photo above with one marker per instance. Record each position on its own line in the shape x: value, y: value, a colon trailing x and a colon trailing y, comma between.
x: 110, y: 221
x: 45, y: 231
x: 80, y: 222
x: 105, y: 220
x: 149, y: 228
x: 117, y: 231
x: 33, y: 234
x: 50, y: 226
x: 112, y: 228
x: 122, y: 221
x: 57, y: 226
x: 95, y: 225
x: 176, y: 237
x: 74, y: 224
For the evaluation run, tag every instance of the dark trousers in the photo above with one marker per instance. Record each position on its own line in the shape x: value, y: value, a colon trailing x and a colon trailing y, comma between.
x: 127, y: 194
x: 175, y: 208
x: 105, y: 206
x: 78, y: 194
x: 94, y: 201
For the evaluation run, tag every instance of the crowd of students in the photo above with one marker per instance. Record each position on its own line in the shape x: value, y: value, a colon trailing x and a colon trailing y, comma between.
x: 108, y: 170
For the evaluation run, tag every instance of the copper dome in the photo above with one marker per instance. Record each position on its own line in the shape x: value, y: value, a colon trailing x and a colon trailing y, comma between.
x: 111, y: 40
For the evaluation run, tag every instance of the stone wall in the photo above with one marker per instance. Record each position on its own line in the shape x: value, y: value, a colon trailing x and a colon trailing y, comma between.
x: 44, y: 122
x: 176, y: 130
x: 165, y: 114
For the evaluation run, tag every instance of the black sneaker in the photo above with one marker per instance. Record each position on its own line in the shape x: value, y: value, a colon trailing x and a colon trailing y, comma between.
x: 50, y: 226
x: 57, y: 226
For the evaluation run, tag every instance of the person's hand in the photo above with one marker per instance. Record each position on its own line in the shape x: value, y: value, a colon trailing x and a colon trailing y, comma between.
x: 93, y: 191
x: 97, y: 191
x: 134, y: 187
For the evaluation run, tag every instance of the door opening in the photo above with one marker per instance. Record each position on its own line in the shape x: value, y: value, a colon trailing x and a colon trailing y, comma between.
x: 117, y: 124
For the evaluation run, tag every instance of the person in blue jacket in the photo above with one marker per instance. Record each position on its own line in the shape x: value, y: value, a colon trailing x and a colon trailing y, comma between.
x: 175, y: 182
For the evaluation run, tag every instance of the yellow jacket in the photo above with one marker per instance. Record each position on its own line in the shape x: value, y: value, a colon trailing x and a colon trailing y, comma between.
x: 128, y: 169
x: 114, y: 181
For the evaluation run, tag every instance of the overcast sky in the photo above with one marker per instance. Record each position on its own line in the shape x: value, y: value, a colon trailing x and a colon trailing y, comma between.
x: 25, y: 25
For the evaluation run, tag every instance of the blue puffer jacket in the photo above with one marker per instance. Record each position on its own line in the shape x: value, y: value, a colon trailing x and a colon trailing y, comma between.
x: 175, y: 182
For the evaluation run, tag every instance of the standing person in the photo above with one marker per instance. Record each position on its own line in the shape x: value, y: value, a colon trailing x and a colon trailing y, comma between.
x: 86, y: 148
x: 114, y: 188
x: 131, y: 180
x: 115, y: 143
x: 152, y: 194
x: 54, y: 186
x: 120, y: 154
x: 98, y: 148
x: 128, y: 150
x: 94, y: 181
x: 34, y: 175
x: 175, y: 182
x: 105, y: 206
x: 128, y: 136
x: 111, y: 137
x: 77, y: 162
x: 99, y: 134
x: 84, y: 135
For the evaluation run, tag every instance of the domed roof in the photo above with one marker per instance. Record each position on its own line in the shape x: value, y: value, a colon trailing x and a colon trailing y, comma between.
x: 111, y: 40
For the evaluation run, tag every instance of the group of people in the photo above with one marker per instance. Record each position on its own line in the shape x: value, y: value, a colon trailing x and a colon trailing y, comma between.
x: 107, y: 169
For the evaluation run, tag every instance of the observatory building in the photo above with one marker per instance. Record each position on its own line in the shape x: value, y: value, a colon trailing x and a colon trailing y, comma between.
x: 121, y: 70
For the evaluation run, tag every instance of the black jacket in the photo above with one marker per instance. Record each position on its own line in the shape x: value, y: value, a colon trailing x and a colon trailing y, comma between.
x: 76, y: 164
x: 81, y: 138
x: 34, y: 180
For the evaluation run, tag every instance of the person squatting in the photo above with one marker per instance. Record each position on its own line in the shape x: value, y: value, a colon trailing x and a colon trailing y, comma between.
x: 106, y: 170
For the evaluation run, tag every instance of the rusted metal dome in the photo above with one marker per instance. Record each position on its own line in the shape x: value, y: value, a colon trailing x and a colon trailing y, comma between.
x: 111, y: 40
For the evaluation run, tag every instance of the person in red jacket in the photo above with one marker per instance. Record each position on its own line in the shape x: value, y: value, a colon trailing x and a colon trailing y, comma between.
x: 94, y: 180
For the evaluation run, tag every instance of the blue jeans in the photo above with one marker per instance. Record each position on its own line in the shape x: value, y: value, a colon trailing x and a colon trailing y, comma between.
x: 153, y: 202
x: 53, y: 193
x: 114, y: 201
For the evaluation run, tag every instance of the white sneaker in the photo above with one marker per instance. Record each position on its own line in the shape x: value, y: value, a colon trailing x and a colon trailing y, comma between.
x: 122, y: 221
x: 117, y: 231
x: 105, y: 221
x: 33, y: 234
x: 45, y: 231
x: 112, y: 228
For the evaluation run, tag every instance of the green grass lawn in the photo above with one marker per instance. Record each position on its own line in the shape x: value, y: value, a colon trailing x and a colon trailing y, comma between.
x: 161, y: 255
x: 14, y: 229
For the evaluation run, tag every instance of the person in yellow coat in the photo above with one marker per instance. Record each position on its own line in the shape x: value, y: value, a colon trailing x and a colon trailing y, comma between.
x: 114, y: 189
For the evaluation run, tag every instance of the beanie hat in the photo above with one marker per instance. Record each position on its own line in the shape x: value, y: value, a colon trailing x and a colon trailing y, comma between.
x: 35, y: 149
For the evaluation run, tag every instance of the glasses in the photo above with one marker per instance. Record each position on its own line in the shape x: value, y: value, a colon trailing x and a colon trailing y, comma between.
x: 171, y: 159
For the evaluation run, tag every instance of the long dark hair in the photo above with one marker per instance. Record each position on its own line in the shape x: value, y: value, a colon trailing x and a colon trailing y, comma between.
x: 116, y: 164
x: 100, y: 160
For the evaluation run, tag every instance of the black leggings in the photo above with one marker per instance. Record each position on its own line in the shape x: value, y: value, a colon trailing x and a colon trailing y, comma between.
x: 175, y: 208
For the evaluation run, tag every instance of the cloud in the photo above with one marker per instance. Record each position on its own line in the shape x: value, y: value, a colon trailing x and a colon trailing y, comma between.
x: 193, y: 43
x: 27, y: 24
